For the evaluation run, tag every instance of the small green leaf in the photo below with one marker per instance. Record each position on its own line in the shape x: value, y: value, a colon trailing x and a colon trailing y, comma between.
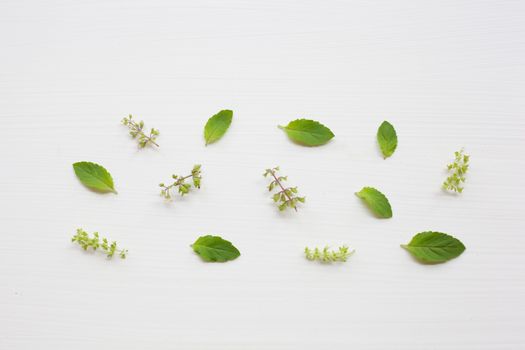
x: 387, y: 139
x: 217, y: 125
x: 308, y: 132
x: 94, y: 176
x: 376, y: 201
x: 434, y: 247
x: 215, y: 249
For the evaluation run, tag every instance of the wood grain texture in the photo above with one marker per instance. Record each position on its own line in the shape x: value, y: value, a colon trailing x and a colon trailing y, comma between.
x: 446, y: 74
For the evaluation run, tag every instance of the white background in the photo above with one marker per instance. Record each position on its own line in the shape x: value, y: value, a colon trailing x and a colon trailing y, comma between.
x: 447, y: 74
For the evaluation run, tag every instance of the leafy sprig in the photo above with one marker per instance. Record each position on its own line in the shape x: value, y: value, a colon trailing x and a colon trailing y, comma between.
x: 328, y: 256
x: 287, y: 196
x: 110, y: 249
x: 458, y: 170
x: 180, y: 183
x: 136, y: 129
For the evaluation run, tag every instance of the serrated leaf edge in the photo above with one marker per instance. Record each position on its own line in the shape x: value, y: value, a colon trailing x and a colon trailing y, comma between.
x: 379, y: 143
x: 368, y: 205
x: 223, y: 250
x: 308, y: 120
x: 207, y: 139
x: 429, y: 262
x: 113, y: 190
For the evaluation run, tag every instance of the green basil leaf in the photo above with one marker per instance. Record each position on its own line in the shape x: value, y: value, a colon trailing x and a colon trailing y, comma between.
x: 215, y: 249
x: 217, y: 125
x: 308, y: 132
x: 387, y: 139
x: 376, y: 201
x: 434, y: 247
x: 94, y: 176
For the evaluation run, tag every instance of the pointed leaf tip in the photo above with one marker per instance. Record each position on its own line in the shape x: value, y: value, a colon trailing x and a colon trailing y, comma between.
x: 376, y: 201
x: 308, y: 132
x: 217, y: 126
x: 94, y: 176
x: 215, y: 249
x: 387, y: 139
x: 434, y: 247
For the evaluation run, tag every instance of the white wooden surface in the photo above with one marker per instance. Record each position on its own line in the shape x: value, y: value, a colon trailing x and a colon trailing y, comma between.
x: 447, y: 74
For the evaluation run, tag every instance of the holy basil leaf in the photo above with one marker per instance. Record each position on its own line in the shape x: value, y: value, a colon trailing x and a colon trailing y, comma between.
x: 387, y: 139
x: 215, y: 249
x: 94, y: 176
x: 217, y: 125
x: 376, y: 201
x: 434, y: 247
x: 308, y: 132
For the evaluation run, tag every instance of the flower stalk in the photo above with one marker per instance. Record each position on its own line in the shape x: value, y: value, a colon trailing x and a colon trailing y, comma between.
x: 286, y: 197
x: 180, y: 183
x: 110, y: 249
x: 326, y: 256
x: 136, y: 130
x: 458, y: 169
